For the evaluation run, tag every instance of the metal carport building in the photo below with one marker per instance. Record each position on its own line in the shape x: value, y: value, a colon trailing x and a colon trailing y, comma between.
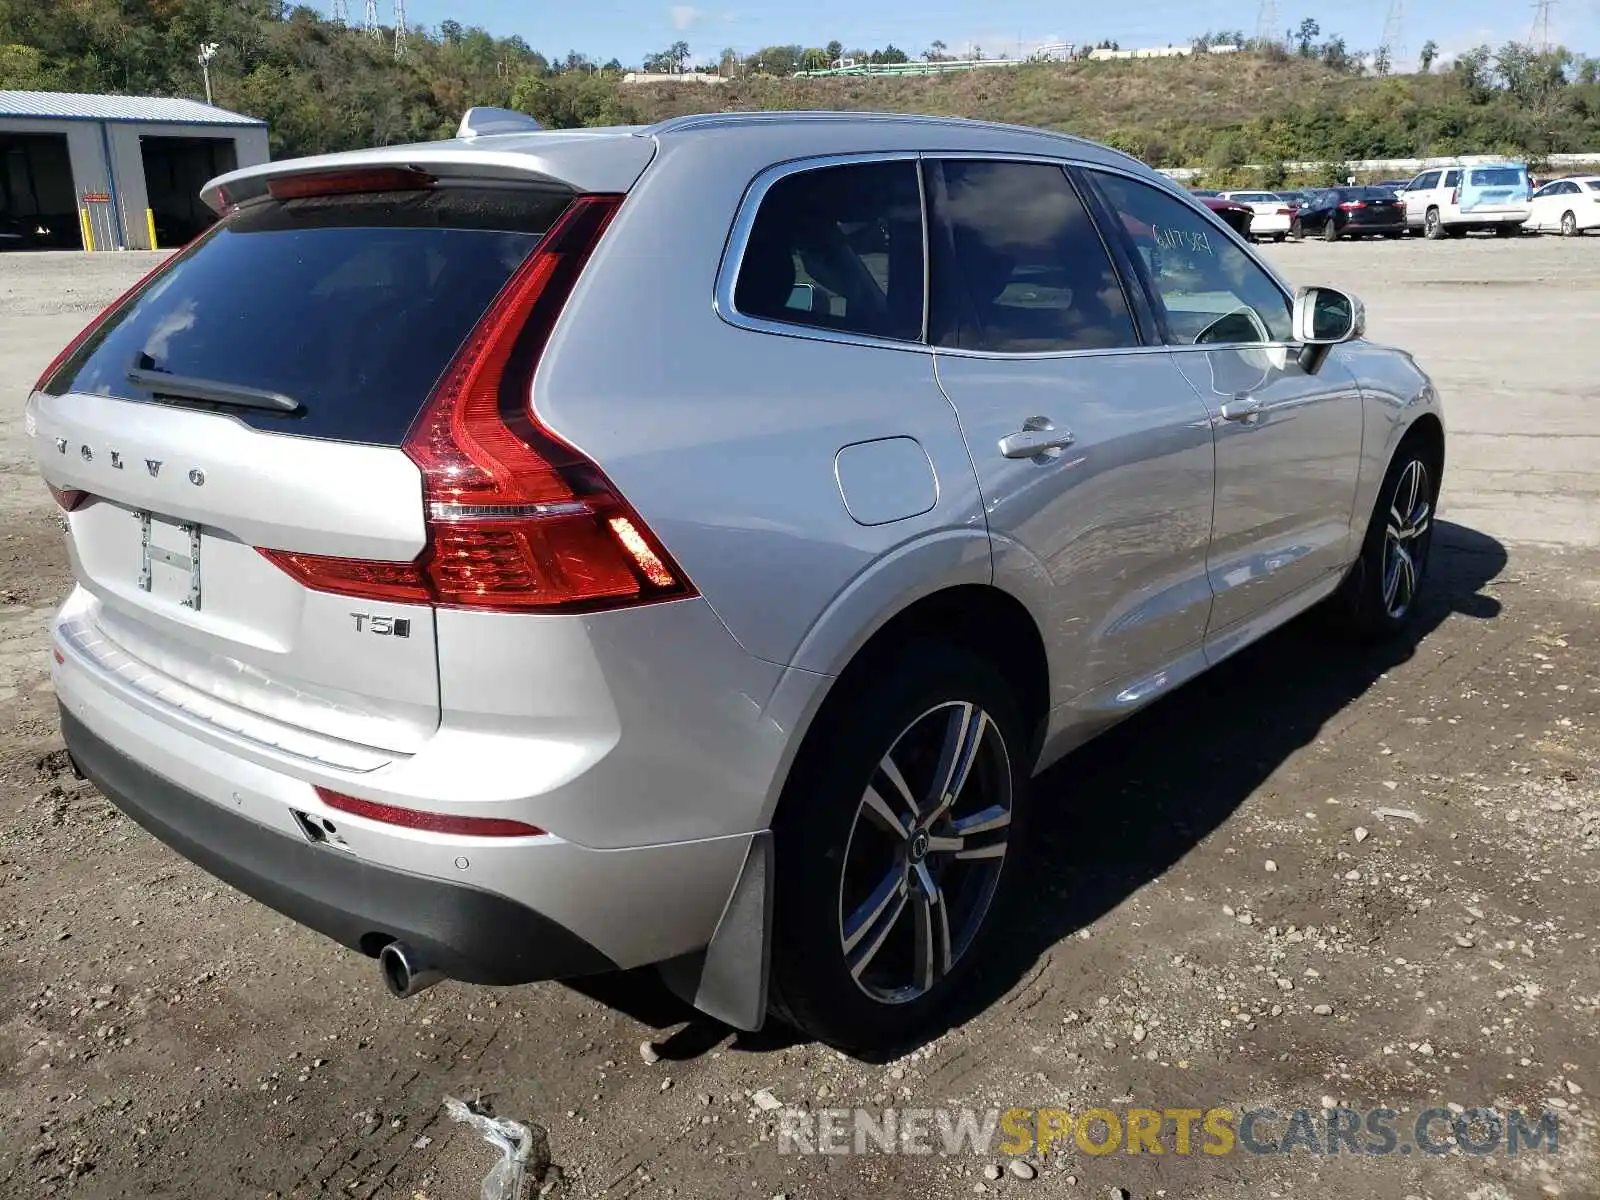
x: 116, y: 172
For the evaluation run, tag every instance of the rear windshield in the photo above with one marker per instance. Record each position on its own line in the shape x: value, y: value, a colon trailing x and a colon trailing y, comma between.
x: 1497, y: 176
x: 351, y: 306
x: 1369, y: 193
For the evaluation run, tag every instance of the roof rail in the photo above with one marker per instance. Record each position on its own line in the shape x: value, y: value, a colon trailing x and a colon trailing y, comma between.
x: 482, y: 120
x: 716, y: 120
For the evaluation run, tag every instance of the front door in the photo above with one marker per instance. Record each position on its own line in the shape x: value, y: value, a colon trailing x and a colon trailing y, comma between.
x: 1288, y: 443
x: 1093, y: 453
x: 1417, y: 196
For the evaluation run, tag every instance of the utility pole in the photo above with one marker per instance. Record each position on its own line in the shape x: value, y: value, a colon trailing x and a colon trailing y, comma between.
x: 208, y: 51
x: 1540, y: 35
x: 1394, y: 34
x: 399, y: 28
x: 1267, y: 23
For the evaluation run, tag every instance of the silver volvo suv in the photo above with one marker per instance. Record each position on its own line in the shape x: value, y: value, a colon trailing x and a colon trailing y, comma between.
x: 548, y: 552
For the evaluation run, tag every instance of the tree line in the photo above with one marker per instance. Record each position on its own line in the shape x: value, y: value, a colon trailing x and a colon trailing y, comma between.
x: 323, y: 87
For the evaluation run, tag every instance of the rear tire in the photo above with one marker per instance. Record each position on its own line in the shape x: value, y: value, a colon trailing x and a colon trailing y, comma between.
x: 1330, y: 231
x: 1379, y: 597
x: 1432, y: 225
x: 875, y: 925
x: 1569, y: 225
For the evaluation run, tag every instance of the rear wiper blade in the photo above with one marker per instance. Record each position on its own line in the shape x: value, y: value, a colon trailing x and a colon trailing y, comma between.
x: 210, y: 391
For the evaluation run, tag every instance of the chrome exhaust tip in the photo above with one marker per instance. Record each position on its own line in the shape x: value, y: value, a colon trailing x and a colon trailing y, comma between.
x: 404, y: 973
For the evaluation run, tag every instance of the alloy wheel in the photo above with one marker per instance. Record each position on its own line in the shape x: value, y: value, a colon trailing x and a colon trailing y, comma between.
x: 1431, y: 223
x: 1569, y: 225
x: 925, y: 853
x: 1406, y: 540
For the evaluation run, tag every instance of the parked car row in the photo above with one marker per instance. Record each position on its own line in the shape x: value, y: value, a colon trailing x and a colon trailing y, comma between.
x: 1438, y: 203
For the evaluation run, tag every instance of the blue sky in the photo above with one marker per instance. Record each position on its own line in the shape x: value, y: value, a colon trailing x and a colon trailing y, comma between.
x: 628, y: 29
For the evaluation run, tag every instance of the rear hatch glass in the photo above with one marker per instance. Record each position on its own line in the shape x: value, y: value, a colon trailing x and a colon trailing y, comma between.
x: 1494, y: 187
x: 348, y: 306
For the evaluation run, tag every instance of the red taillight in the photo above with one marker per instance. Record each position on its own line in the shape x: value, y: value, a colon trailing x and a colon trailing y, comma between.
x: 1352, y: 205
x: 68, y: 498
x: 343, y: 183
x: 1455, y: 195
x: 428, y: 822
x: 1285, y: 212
x: 111, y: 310
x: 518, y: 521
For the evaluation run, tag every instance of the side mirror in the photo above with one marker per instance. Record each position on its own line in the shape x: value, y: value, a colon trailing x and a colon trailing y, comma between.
x: 1325, y: 317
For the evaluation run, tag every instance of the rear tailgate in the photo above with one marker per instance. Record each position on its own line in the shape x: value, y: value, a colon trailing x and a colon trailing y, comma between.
x: 170, y: 419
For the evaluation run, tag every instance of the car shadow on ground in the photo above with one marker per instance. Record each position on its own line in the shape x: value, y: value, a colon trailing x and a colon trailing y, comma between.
x: 1112, y: 816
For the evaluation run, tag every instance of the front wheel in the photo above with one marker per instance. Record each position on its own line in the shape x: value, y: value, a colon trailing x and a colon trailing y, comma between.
x: 1569, y: 225
x: 1330, y: 231
x: 896, y: 840
x: 1432, y: 225
x: 1381, y: 593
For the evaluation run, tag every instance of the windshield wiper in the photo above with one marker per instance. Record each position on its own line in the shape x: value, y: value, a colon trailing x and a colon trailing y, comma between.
x: 210, y: 391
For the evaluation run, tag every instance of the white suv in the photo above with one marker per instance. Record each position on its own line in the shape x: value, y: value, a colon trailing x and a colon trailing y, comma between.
x: 1452, y: 201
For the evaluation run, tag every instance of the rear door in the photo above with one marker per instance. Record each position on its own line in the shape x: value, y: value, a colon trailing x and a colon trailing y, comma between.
x: 247, y: 406
x: 1288, y: 443
x: 1092, y: 452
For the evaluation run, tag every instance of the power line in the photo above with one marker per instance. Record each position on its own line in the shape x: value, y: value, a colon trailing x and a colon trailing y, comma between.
x: 1540, y: 35
x: 1267, y: 31
x: 399, y: 28
x: 1394, y: 34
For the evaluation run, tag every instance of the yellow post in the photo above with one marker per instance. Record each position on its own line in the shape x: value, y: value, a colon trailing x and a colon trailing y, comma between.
x: 150, y: 220
x: 88, y: 231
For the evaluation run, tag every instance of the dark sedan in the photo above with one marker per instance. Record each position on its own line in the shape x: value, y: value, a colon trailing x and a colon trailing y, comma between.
x: 1351, y: 212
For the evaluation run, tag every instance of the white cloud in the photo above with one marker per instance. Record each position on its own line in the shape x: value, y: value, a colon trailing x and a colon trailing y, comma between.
x: 686, y: 16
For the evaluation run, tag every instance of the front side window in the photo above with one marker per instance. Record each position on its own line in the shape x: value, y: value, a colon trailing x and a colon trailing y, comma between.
x: 1018, y: 266
x: 838, y: 248
x: 1212, y: 290
x: 1423, y: 183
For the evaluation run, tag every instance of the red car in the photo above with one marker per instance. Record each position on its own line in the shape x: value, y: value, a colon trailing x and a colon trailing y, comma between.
x: 1236, y: 215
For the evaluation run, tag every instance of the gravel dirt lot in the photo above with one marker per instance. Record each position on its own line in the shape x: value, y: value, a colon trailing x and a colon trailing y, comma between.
x: 1223, y: 916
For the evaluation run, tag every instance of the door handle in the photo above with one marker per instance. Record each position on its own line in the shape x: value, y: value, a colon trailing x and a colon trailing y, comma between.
x: 1038, y: 438
x: 1244, y: 409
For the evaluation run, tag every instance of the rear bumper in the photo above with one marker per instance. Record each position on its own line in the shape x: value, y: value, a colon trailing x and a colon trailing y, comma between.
x: 469, y: 934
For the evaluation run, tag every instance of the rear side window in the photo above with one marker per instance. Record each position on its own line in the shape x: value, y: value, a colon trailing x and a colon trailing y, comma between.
x: 838, y: 248
x: 1018, y: 265
x: 1452, y: 179
x: 352, y: 306
x: 1497, y: 177
x: 1593, y: 185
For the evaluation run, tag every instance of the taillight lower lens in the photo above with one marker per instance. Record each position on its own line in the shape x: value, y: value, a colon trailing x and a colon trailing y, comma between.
x: 518, y: 521
x: 68, y: 498
x: 1352, y: 205
x: 428, y: 822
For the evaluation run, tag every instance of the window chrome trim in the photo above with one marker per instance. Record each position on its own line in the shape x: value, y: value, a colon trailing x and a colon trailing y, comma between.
x: 745, y: 217
x: 739, y: 237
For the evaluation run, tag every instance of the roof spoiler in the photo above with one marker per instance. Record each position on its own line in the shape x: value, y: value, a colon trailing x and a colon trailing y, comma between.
x: 480, y: 121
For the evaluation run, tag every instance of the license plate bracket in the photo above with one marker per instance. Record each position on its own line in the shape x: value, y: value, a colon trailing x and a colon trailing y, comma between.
x: 158, y: 556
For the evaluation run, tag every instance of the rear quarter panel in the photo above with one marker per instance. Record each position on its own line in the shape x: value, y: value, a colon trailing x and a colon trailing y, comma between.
x: 725, y: 439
